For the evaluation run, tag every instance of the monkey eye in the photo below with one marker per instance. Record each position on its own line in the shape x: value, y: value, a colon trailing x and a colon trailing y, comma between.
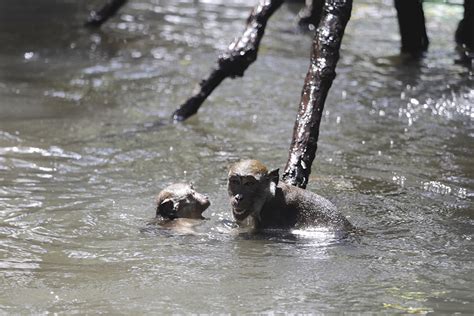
x: 249, y: 183
x: 234, y: 181
x: 185, y: 201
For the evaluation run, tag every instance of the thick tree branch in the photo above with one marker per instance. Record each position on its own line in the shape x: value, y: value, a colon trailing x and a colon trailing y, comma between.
x: 465, y: 30
x: 321, y: 73
x: 411, y: 20
x: 241, y: 53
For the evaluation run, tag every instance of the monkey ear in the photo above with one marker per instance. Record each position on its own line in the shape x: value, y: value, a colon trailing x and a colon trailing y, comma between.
x: 274, y: 176
x: 166, y: 209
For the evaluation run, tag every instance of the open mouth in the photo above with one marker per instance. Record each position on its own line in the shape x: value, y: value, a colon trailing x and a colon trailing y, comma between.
x: 240, y: 214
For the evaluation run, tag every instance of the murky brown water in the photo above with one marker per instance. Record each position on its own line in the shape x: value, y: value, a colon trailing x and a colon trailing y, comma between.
x: 85, y: 145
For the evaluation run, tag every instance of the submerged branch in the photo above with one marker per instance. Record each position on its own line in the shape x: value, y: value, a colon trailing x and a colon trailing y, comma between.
x: 411, y: 20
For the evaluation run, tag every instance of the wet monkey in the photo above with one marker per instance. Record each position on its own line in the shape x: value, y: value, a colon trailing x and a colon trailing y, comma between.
x: 258, y: 199
x: 179, y: 206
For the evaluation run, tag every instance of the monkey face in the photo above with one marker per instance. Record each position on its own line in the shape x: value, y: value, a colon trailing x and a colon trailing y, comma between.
x: 249, y: 186
x: 192, y: 205
x: 247, y: 194
x: 181, y: 201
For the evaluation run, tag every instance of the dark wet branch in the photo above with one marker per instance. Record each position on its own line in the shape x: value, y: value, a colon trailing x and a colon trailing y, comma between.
x: 310, y: 15
x: 241, y: 53
x: 411, y: 20
x: 465, y: 30
x: 97, y: 18
x: 321, y: 73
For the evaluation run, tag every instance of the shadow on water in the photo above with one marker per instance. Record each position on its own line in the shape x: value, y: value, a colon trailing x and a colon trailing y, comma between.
x: 45, y: 57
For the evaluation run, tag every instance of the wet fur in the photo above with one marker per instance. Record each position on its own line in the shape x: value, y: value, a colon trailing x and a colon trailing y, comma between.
x: 179, y: 208
x: 269, y: 204
x: 292, y: 207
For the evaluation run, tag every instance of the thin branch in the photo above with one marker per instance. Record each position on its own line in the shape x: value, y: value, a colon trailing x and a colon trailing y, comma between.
x: 241, y: 53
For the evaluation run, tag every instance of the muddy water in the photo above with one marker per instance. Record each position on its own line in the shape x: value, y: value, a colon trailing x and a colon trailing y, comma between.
x: 85, y: 144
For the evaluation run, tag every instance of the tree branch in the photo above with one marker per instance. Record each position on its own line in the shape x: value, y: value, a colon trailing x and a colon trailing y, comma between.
x: 321, y: 73
x: 310, y: 15
x: 411, y: 20
x: 241, y: 53
x: 97, y: 18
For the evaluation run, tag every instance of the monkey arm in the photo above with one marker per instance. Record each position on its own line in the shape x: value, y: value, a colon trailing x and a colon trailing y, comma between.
x: 233, y: 62
x: 97, y: 18
x: 321, y: 73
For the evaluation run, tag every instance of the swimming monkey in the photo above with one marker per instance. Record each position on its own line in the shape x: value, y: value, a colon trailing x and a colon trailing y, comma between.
x: 180, y: 207
x: 259, y: 200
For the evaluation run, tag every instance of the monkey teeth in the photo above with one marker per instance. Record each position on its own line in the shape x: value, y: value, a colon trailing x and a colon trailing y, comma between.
x: 239, y: 212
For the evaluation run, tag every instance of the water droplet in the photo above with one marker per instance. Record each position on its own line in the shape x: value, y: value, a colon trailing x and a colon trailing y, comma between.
x: 28, y: 55
x: 136, y: 54
x: 414, y: 101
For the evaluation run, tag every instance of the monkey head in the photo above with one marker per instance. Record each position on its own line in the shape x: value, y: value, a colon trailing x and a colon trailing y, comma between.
x: 181, y: 200
x: 249, y: 186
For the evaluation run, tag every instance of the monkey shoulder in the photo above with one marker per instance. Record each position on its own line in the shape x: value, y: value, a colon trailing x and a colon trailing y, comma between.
x: 304, y: 199
x: 312, y: 209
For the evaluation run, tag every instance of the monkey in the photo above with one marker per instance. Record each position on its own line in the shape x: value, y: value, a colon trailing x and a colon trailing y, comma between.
x: 258, y: 200
x: 179, y: 207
